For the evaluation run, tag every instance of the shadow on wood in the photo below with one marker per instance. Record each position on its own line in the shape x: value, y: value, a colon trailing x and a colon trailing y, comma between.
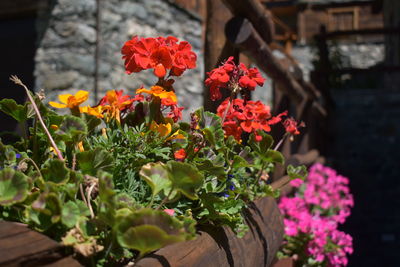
x: 220, y: 246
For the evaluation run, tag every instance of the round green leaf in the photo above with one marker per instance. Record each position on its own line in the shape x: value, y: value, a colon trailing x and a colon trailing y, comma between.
x: 147, y: 230
x: 70, y: 214
x: 14, y: 187
x: 156, y: 176
x: 185, y: 178
x: 56, y: 172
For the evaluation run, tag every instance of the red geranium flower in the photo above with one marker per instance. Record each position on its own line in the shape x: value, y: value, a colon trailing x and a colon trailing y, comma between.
x: 233, y: 77
x: 291, y: 126
x: 180, y: 154
x: 219, y: 78
x: 250, y: 116
x: 160, y: 54
x: 250, y: 78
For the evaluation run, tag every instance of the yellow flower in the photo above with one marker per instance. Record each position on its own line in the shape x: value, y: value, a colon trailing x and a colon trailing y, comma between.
x: 176, y: 135
x: 80, y: 146
x: 96, y: 111
x: 158, y: 91
x: 162, y: 129
x: 71, y: 101
x: 54, y: 127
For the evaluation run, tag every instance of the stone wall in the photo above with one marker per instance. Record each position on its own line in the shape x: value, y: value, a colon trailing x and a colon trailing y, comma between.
x: 357, y: 55
x: 65, y: 60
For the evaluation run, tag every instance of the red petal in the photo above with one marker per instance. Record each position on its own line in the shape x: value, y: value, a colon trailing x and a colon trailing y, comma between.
x: 160, y: 71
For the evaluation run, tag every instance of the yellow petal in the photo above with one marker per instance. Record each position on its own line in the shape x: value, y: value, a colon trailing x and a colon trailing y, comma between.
x: 111, y: 96
x: 164, y: 129
x: 80, y: 146
x: 57, y: 105
x: 81, y: 96
x: 143, y: 90
x: 64, y: 98
x: 54, y: 127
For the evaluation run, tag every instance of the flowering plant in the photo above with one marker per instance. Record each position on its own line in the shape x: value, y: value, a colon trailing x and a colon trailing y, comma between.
x: 126, y: 177
x: 312, y: 216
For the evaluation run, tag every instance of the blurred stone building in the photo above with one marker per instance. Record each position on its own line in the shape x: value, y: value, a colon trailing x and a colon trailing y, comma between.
x: 81, y: 40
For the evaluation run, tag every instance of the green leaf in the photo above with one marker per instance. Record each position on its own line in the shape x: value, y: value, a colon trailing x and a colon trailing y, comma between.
x: 56, y: 172
x: 156, y: 176
x: 147, y: 230
x: 262, y: 146
x: 90, y: 162
x: 72, y: 129
x: 239, y: 162
x: 274, y: 156
x: 91, y: 121
x: 70, y: 214
x: 48, y: 204
x: 11, y: 108
x: 212, y: 164
x: 14, y: 187
x: 185, y: 178
x: 299, y: 172
x: 211, y: 126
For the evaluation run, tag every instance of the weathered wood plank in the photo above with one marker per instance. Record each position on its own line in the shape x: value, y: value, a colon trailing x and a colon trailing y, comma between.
x: 221, y: 247
x: 21, y: 246
x: 258, y: 15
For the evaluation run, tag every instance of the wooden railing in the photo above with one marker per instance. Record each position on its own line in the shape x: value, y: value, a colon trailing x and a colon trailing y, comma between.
x: 250, y: 31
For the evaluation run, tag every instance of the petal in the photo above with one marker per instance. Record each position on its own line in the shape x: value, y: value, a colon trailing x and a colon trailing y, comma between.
x: 64, y: 98
x: 143, y: 90
x: 160, y: 71
x: 81, y: 96
x: 57, y: 105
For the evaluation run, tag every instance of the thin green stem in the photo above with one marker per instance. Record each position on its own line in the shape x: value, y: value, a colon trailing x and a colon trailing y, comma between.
x: 165, y: 199
x: 35, y: 143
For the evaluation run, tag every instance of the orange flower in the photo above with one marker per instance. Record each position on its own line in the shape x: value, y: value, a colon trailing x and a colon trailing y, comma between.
x: 162, y: 129
x: 96, y: 111
x: 114, y: 102
x: 159, y: 92
x: 71, y: 101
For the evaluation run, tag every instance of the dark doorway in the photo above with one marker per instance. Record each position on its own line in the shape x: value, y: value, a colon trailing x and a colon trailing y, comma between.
x: 17, y: 50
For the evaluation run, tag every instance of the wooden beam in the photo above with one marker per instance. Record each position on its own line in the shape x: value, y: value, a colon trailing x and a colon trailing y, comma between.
x: 257, y: 14
x: 242, y: 34
x: 216, y: 47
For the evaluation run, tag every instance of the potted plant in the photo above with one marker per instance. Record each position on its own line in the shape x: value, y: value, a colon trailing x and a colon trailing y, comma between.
x: 126, y: 177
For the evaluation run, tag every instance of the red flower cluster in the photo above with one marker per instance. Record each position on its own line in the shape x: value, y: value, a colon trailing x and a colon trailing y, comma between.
x: 229, y: 75
x: 160, y: 54
x: 291, y: 126
x: 249, y: 116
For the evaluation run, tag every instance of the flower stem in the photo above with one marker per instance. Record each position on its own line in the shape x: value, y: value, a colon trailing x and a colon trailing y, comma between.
x: 16, y: 80
x: 280, y: 141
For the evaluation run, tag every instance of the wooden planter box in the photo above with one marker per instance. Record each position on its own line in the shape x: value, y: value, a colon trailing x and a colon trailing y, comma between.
x: 20, y: 246
x: 220, y: 246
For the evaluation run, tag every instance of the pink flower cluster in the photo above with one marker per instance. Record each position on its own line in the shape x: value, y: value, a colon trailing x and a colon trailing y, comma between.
x: 312, y: 216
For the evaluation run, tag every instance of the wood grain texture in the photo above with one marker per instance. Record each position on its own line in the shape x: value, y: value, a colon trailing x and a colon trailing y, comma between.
x: 221, y: 247
x: 20, y: 246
